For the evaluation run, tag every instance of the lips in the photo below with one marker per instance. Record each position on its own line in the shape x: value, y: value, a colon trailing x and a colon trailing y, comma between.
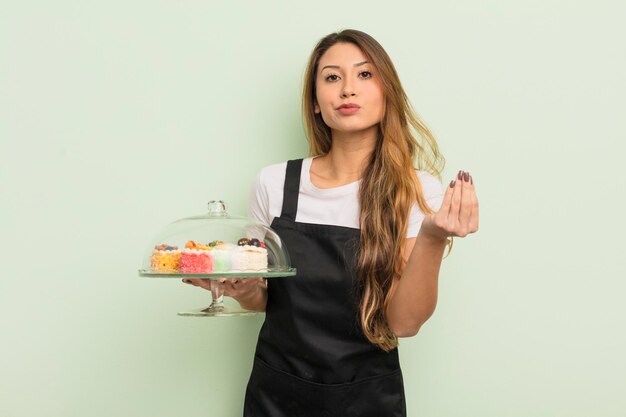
x: 348, y: 108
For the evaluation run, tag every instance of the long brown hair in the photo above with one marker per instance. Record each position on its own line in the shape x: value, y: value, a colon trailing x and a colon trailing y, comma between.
x: 389, y: 186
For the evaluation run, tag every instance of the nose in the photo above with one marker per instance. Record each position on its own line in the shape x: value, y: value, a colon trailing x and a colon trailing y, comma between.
x: 347, y: 93
x: 347, y: 90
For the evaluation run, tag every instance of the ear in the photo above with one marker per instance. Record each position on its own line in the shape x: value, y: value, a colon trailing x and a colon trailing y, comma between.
x: 317, y: 108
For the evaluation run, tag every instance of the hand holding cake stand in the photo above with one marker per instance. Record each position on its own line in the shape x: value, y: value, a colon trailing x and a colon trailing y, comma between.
x: 218, y: 307
x: 245, y: 250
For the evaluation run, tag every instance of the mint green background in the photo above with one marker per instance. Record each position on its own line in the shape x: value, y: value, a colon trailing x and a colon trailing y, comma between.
x: 118, y: 117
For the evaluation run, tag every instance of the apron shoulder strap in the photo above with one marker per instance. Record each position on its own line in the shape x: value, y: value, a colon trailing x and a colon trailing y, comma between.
x: 291, y: 189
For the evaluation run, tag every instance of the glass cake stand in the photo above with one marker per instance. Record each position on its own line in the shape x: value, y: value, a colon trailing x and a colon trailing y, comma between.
x: 216, y: 245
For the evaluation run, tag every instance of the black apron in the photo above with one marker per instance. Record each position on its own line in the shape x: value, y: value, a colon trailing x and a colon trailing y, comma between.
x: 312, y: 358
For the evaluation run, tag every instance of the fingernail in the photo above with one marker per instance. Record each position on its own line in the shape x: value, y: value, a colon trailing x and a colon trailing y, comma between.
x: 460, y: 175
x: 452, y: 184
x: 466, y: 177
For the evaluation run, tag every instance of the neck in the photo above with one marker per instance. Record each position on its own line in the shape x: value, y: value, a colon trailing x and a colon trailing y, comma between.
x: 348, y: 156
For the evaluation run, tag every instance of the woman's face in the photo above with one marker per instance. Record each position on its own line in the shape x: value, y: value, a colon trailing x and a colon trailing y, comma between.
x: 349, y: 94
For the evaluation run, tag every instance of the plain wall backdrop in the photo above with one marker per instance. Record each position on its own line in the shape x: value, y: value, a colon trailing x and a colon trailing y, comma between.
x: 119, y: 117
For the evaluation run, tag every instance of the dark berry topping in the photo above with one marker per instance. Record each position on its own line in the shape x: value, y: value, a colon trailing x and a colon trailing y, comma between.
x: 243, y: 241
x: 163, y: 246
x: 255, y: 242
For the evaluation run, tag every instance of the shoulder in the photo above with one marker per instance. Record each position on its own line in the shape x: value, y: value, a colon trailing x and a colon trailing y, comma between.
x: 272, y: 177
x: 263, y: 192
x: 266, y: 193
x: 270, y: 180
x: 272, y: 174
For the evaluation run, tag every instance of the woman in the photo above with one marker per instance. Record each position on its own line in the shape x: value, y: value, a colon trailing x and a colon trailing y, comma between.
x: 359, y: 222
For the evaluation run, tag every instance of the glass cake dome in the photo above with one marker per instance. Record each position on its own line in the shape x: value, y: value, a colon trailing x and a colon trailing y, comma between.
x: 213, y: 246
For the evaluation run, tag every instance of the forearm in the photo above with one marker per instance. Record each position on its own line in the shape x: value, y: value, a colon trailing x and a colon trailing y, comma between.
x: 256, y: 301
x: 415, y: 297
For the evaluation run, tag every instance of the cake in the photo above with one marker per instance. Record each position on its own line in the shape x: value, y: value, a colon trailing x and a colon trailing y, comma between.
x: 165, y: 258
x: 250, y: 255
x: 196, y: 259
x: 222, y: 256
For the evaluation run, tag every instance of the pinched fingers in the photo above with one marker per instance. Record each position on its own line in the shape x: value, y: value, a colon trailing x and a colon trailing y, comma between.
x: 458, y: 214
x: 454, y: 215
x: 473, y: 222
x: 468, y: 216
x: 468, y: 205
x: 465, y: 213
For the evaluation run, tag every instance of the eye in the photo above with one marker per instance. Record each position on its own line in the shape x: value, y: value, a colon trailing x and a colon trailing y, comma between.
x: 331, y: 77
x: 365, y: 74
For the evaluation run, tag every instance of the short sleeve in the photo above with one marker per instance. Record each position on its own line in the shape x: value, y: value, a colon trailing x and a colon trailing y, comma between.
x: 433, y: 192
x: 258, y: 209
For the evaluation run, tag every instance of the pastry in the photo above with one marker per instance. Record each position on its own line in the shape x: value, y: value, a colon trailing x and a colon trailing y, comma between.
x: 249, y: 256
x: 196, y: 259
x: 165, y: 258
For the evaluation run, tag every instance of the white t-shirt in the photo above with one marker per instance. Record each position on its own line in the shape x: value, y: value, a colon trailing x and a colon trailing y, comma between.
x: 338, y: 206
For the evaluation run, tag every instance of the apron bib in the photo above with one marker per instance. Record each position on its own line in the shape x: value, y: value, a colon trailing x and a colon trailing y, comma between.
x: 312, y: 358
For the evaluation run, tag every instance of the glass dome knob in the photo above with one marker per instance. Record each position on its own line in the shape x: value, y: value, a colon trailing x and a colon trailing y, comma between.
x: 217, y: 208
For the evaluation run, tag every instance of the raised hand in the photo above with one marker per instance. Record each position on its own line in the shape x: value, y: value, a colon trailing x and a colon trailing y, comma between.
x: 458, y: 215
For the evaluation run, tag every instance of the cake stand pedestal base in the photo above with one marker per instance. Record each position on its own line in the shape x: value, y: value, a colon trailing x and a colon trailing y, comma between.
x: 218, y: 312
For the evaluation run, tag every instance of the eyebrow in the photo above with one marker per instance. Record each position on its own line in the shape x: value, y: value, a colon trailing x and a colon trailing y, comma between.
x: 358, y: 64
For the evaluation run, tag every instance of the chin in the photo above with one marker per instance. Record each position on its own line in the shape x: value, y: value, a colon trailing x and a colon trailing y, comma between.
x: 353, y: 128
